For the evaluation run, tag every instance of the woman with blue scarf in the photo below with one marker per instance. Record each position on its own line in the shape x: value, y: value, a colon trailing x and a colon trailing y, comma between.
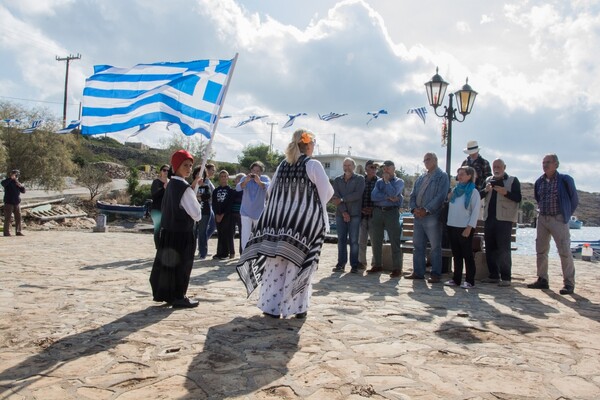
x: 463, y: 212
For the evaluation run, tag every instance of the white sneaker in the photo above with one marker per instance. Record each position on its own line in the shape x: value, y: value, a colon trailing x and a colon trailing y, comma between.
x: 450, y: 283
x: 466, y: 285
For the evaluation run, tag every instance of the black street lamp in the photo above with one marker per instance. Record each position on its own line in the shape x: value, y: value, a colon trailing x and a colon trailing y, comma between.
x: 436, y: 89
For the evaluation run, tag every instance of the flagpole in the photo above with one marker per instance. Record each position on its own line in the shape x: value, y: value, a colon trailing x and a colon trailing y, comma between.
x: 214, y: 126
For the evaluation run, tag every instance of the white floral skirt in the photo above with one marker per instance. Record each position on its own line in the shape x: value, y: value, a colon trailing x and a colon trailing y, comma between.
x: 276, y: 289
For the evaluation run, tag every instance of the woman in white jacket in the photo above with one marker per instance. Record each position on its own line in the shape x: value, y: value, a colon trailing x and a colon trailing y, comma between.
x: 463, y: 212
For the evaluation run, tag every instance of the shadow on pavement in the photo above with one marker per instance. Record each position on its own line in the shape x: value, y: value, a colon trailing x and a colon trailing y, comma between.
x: 70, y: 348
x: 242, y: 356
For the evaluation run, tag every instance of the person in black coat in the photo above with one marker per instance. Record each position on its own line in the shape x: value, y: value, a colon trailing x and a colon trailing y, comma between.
x: 12, y: 200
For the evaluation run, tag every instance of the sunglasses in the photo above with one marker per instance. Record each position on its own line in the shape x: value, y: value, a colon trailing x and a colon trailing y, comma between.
x: 164, y: 170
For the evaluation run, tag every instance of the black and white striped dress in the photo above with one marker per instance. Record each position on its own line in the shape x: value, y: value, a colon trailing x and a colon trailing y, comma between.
x: 283, y: 251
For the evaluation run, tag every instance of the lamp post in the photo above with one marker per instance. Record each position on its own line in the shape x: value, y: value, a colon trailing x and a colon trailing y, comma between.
x: 436, y: 89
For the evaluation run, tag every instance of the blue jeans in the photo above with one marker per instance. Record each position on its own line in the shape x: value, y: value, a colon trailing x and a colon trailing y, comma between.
x: 347, y: 230
x: 427, y: 228
x: 201, y: 235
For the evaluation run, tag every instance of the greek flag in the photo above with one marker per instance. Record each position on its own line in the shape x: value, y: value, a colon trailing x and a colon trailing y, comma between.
x: 290, y: 121
x: 70, y: 127
x: 250, y: 119
x: 188, y: 94
x: 34, y: 125
x: 11, y: 121
x: 375, y: 114
x: 420, y: 111
x: 330, y: 116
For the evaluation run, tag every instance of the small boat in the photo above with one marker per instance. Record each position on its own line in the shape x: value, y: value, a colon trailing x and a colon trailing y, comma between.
x: 588, y: 251
x: 575, y: 223
x: 122, y: 209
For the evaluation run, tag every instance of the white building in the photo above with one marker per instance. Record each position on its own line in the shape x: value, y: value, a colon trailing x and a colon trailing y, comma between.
x: 333, y: 163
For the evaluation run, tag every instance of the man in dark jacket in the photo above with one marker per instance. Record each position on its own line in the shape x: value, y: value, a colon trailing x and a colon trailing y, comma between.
x: 557, y: 199
x: 12, y: 200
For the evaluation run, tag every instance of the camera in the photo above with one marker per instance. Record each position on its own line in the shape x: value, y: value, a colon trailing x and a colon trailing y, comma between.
x: 252, y: 176
x: 497, y: 182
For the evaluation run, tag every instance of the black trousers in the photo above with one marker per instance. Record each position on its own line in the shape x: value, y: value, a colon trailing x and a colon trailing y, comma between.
x: 497, y: 248
x: 225, y: 228
x: 462, y: 250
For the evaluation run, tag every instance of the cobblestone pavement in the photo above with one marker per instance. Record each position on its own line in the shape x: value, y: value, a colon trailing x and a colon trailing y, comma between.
x: 77, y: 322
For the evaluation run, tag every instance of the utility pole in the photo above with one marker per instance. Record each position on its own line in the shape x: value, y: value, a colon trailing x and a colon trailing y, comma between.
x: 68, y: 60
x: 271, y: 140
x: 333, y: 149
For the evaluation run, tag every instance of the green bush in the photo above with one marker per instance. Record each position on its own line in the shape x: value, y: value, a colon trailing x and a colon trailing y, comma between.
x: 140, y: 195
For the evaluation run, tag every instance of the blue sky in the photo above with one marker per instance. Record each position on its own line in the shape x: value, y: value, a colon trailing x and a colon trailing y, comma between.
x: 534, y: 64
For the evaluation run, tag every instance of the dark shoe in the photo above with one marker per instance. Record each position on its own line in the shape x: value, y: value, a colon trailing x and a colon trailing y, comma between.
x: 217, y: 257
x: 539, y: 284
x: 504, y: 283
x: 7, y: 234
x: 271, y: 315
x: 396, y: 273
x: 374, y: 270
x: 434, y: 279
x: 354, y: 270
x: 413, y: 276
x: 232, y: 256
x: 184, y: 303
x: 301, y: 315
x: 490, y: 280
x: 20, y: 234
x: 567, y: 290
x: 338, y: 268
x: 361, y: 266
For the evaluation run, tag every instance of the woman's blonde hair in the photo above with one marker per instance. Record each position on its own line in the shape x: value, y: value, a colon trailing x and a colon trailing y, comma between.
x: 298, y: 145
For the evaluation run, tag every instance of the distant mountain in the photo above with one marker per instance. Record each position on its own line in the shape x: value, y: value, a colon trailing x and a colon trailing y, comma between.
x: 589, y: 204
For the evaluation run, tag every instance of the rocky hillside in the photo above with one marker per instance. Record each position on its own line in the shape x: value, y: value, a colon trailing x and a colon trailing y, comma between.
x: 589, y: 204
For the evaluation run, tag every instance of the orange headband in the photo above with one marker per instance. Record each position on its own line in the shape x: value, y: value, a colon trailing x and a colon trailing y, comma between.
x: 305, y: 138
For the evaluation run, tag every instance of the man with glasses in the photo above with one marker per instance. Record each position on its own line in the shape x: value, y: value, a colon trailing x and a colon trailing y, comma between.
x: 557, y: 199
x: 387, y: 199
x: 426, y: 201
x: 366, y: 212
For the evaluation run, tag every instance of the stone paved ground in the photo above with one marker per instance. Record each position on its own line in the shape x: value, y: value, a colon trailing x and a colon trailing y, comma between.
x: 77, y: 322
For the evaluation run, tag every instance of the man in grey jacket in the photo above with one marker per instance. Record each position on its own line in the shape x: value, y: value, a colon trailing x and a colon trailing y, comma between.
x: 426, y: 200
x: 502, y: 198
x: 347, y: 197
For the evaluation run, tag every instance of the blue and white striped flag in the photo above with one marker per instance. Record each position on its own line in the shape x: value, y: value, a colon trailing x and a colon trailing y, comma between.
x: 188, y: 94
x: 420, y: 111
x: 69, y: 128
x: 250, y: 119
x: 330, y: 116
x: 290, y: 121
x: 34, y: 125
x: 375, y: 114
x: 12, y: 121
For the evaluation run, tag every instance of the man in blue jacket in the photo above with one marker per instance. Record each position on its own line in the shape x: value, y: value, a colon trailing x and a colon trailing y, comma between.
x: 426, y: 200
x: 557, y: 199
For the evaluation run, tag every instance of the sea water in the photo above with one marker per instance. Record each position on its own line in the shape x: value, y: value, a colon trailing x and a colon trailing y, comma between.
x: 526, y: 239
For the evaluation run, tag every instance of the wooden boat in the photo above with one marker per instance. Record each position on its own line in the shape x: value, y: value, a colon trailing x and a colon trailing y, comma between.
x: 122, y: 209
x: 574, y: 223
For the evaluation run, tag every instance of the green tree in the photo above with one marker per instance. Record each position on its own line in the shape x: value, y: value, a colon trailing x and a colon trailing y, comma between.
x: 260, y: 152
x: 133, y: 180
x: 43, y: 157
x: 528, y: 209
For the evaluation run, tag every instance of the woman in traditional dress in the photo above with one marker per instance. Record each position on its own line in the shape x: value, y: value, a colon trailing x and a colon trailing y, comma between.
x: 463, y: 212
x: 172, y: 266
x: 283, y: 250
x: 158, y: 191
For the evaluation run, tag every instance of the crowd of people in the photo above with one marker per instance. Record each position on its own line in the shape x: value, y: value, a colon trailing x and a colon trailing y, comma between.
x: 282, y: 222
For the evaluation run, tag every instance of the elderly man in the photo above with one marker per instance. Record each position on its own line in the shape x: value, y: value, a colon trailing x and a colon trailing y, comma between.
x: 347, y: 197
x: 557, y: 199
x: 426, y: 200
x: 480, y: 164
x: 503, y: 195
x: 367, y: 212
x: 254, y: 186
x: 387, y: 200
